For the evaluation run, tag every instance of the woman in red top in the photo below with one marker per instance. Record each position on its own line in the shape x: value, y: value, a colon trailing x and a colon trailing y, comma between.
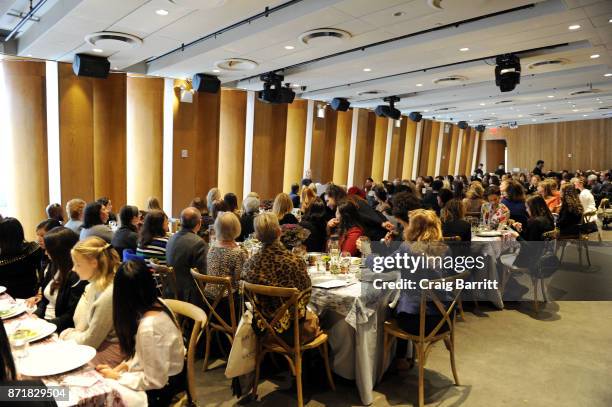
x: 349, y: 227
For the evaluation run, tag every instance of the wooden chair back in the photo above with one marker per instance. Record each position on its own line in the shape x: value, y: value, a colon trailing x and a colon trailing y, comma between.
x: 224, y: 284
x: 186, y: 312
x: 452, y: 238
x: 290, y: 298
x: 165, y: 279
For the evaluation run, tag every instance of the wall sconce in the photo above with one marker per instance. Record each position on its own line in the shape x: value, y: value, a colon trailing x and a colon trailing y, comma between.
x: 321, y: 111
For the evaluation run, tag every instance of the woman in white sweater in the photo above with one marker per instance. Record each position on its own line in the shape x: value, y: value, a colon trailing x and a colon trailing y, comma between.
x: 149, y: 337
x: 95, y: 261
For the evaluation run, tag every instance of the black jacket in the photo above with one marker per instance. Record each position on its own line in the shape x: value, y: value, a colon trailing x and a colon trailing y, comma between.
x: 430, y: 201
x: 246, y: 226
x: 124, y: 238
x: 68, y: 297
x: 19, y: 273
x: 318, y: 234
x: 288, y: 219
x: 568, y: 222
x: 371, y: 220
x: 532, y: 232
x: 459, y: 228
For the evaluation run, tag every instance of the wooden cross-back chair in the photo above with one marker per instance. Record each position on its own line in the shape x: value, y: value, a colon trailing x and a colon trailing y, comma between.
x: 424, y: 341
x: 271, y: 342
x: 216, y: 323
x: 165, y: 279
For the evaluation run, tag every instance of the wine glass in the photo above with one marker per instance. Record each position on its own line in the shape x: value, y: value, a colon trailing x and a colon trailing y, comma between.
x: 333, y: 248
x: 345, y: 262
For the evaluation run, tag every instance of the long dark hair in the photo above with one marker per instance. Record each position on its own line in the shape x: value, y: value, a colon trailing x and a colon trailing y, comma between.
x: 134, y: 293
x: 538, y: 208
x: 515, y: 191
x: 126, y: 214
x: 231, y: 200
x: 58, y: 243
x: 570, y: 200
x: 349, y: 217
x: 152, y: 227
x: 11, y: 237
x: 7, y: 364
x: 48, y: 224
x: 316, y: 211
x: 91, y: 215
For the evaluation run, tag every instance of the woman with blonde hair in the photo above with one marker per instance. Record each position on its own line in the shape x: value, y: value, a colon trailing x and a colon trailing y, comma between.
x: 153, y: 204
x: 96, y: 261
x: 548, y: 190
x: 474, y: 197
x: 307, y: 198
x: 282, y: 207
x: 213, y: 195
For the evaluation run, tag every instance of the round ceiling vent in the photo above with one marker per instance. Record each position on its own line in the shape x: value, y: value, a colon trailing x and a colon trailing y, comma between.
x: 112, y: 41
x: 605, y: 108
x: 198, y: 4
x: 548, y: 62
x: 538, y: 114
x: 324, y: 36
x: 553, y: 118
x: 449, y: 79
x: 443, y: 109
x: 501, y: 102
x: 236, y: 64
x: 584, y: 92
x: 435, y: 4
x: 370, y: 93
x: 488, y: 119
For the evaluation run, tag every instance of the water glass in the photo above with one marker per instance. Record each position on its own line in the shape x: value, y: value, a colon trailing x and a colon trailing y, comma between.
x: 212, y: 237
x: 20, y: 348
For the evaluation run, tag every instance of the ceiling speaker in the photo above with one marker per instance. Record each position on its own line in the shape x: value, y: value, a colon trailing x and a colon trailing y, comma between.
x: 340, y: 104
x: 463, y: 125
x: 91, y: 66
x: 202, y: 82
x: 415, y: 116
x: 480, y: 128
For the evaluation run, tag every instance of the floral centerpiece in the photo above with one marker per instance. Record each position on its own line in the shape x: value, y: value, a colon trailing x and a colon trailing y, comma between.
x: 293, y: 235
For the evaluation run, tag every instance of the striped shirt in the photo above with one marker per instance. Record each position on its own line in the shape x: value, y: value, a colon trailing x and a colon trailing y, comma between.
x: 154, y: 250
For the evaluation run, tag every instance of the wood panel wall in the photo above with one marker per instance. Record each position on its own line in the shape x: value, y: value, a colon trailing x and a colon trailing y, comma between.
x: 342, y: 147
x: 454, y: 144
x: 145, y: 106
x: 589, y: 143
x: 196, y: 130
x: 295, y: 140
x: 92, y: 119
x: 323, y: 145
x: 366, y: 124
x: 270, y: 130
x: 409, y: 147
x: 232, y: 127
x: 398, y: 143
x: 446, y: 151
x: 378, y: 148
x: 25, y: 179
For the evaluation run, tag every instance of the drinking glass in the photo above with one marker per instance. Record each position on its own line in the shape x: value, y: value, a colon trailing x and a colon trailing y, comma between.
x: 345, y: 262
x: 212, y: 237
x: 333, y: 247
x: 20, y: 348
x: 366, y: 248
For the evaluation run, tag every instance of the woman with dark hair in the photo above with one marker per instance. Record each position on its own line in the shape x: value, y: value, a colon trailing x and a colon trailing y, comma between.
x: 153, y: 238
x: 444, y: 196
x: 314, y: 221
x: 61, y: 287
x: 494, y: 213
x: 231, y: 201
x: 458, y: 189
x: 453, y: 223
x: 56, y: 212
x: 149, y: 336
x: 153, y: 204
x: 41, y: 230
x: 570, y: 214
x: 108, y: 207
x: 380, y: 194
x: 95, y: 217
x: 19, y: 260
x: 126, y: 237
x: 514, y: 199
x: 218, y: 207
x: 349, y: 227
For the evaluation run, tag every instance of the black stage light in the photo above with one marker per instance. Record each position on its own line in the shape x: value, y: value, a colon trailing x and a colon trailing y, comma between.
x: 389, y: 110
x: 202, y: 82
x: 340, y: 104
x: 480, y: 128
x: 90, y: 65
x: 507, y: 72
x: 273, y: 91
x: 415, y: 116
x: 463, y: 125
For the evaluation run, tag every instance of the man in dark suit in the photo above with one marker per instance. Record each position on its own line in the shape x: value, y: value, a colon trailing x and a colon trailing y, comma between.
x: 501, y: 170
x: 538, y: 168
x: 294, y: 195
x: 186, y: 250
x: 430, y: 199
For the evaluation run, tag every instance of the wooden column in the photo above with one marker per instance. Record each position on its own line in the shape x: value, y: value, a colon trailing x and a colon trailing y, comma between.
x: 232, y: 126
x: 145, y: 100
x: 323, y: 144
x: 397, y: 149
x: 468, y: 151
x: 294, y: 143
x: 446, y: 151
x: 342, y: 148
x: 434, y: 135
x: 378, y: 148
x: 409, y: 148
x: 366, y: 123
x: 454, y: 143
x: 23, y: 166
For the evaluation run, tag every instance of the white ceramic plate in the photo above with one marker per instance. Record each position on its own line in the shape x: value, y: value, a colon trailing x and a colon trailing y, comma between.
x: 54, y: 358
x: 40, y: 328
x: 13, y: 310
x: 489, y: 233
x: 2, y: 289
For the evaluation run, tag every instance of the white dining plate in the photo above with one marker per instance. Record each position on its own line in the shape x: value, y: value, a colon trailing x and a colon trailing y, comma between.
x: 54, y: 358
x: 2, y: 289
x: 10, y: 311
x: 32, y: 329
x: 489, y: 233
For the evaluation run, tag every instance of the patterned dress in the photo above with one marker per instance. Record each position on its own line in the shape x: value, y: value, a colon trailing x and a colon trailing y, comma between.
x: 275, y: 266
x: 493, y: 216
x: 223, y: 262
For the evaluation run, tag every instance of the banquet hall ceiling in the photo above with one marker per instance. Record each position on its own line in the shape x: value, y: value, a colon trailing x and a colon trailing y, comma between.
x: 388, y: 47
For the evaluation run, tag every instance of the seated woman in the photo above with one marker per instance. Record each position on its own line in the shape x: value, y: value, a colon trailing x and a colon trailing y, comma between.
x: 307, y: 198
x: 474, y: 197
x: 61, y: 287
x: 570, y: 214
x: 231, y: 201
x: 150, y: 338
x: 314, y: 220
x: 153, y: 238
x: 225, y: 257
x: 380, y: 195
x: 283, y: 205
x: 547, y: 189
x: 250, y: 209
x: 96, y: 261
x: 532, y: 188
x: 276, y: 266
x: 349, y: 227
x: 126, y: 237
x: 41, y: 230
x: 514, y: 199
x: 453, y: 222
x: 95, y: 218
x: 494, y: 213
x: 153, y: 204
x: 19, y: 260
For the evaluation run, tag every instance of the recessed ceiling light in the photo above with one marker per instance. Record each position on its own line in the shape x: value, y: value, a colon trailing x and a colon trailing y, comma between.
x: 216, y: 70
x: 607, y: 75
x: 161, y: 12
x: 367, y: 69
x: 520, y: 115
x: 289, y: 47
x: 419, y: 84
x: 574, y: 110
x: 29, y: 55
x: 115, y: 68
x: 574, y: 27
x: 544, y: 107
x: 550, y: 96
x: 426, y: 110
x: 482, y: 104
x: 493, y: 113
x: 585, y: 115
x: 98, y: 50
x: 464, y: 49
x: 610, y: 20
x: 595, y: 56
x: 295, y: 85
x: 533, y: 120
x: 600, y: 101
